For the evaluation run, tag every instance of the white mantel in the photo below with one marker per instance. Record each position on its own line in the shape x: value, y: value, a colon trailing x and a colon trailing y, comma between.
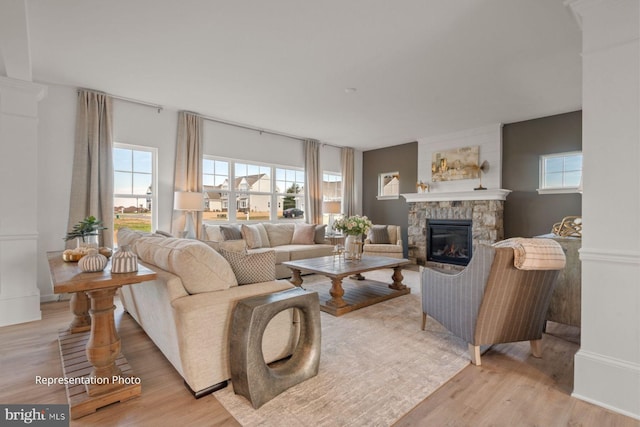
x: 452, y: 196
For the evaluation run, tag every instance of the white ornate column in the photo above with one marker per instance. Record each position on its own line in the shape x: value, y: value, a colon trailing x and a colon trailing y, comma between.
x: 19, y: 293
x: 607, y: 366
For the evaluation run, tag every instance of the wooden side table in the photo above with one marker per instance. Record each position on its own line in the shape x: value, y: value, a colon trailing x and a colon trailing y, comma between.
x: 96, y: 373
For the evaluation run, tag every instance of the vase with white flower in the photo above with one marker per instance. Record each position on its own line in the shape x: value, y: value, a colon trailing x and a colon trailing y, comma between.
x: 354, y: 227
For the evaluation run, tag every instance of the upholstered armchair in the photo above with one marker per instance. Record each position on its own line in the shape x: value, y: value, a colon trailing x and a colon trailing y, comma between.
x: 383, y: 240
x: 492, y: 301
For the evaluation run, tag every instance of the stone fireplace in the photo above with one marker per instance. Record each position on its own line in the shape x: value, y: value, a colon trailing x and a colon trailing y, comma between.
x: 483, y: 208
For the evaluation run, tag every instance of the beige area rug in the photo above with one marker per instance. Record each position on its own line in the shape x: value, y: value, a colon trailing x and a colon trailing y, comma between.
x: 376, y: 365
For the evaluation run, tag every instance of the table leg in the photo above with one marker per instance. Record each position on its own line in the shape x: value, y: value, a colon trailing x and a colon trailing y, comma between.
x: 103, y: 346
x: 397, y: 279
x: 336, y: 293
x: 296, y: 278
x: 79, y: 305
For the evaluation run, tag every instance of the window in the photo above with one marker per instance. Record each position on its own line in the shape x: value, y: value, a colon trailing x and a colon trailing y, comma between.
x: 290, y: 193
x: 134, y: 187
x: 215, y: 181
x: 258, y: 192
x: 560, y: 173
x: 388, y: 185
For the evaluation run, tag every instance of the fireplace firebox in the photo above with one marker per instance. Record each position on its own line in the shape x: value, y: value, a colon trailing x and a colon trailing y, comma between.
x: 449, y: 241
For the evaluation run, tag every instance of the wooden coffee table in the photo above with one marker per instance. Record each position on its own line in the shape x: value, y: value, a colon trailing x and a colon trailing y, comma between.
x: 365, y: 292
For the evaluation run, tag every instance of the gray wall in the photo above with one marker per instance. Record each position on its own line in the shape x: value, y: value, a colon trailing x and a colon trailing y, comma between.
x: 526, y: 213
x: 401, y: 158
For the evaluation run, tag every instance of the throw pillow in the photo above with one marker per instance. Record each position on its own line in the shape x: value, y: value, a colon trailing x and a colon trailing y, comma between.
x: 379, y: 235
x: 212, y: 232
x: 230, y: 232
x: 163, y: 233
x: 251, y: 235
x: 200, y: 268
x: 304, y: 234
x: 279, y: 234
x: 321, y: 231
x: 252, y: 268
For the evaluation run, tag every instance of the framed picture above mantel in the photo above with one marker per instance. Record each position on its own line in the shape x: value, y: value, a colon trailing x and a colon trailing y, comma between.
x: 455, y: 164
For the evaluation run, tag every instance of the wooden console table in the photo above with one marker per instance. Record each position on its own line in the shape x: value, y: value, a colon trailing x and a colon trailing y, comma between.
x: 96, y: 373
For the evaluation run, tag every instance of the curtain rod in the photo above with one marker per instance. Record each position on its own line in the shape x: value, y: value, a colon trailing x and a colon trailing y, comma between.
x: 122, y: 98
x: 247, y: 127
x: 261, y: 131
x: 135, y: 101
x: 213, y: 119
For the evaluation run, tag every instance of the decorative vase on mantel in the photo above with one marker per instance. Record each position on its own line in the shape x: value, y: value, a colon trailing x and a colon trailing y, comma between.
x: 352, y: 247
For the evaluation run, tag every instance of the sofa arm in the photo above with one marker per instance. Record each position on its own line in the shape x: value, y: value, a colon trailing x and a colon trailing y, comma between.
x: 203, y: 321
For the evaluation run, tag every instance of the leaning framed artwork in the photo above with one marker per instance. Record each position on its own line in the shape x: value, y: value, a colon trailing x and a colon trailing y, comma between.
x: 455, y: 164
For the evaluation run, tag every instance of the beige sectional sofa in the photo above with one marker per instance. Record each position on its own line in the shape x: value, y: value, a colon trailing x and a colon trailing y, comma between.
x: 290, y: 241
x: 186, y: 311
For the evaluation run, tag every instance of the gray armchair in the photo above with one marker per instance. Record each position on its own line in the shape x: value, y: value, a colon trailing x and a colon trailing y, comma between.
x: 490, y: 301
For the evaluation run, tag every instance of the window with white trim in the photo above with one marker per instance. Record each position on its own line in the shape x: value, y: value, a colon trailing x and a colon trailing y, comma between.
x: 560, y: 173
x: 236, y: 191
x: 134, y: 187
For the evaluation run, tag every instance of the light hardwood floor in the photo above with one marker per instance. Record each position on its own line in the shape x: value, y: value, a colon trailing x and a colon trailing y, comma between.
x: 509, y: 389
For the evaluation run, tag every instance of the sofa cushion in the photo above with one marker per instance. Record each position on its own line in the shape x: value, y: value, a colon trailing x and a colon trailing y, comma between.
x: 230, y: 232
x: 200, y: 268
x: 230, y: 245
x: 303, y: 234
x: 321, y: 232
x: 255, y: 235
x: 297, y: 252
x: 254, y: 267
x: 282, y: 254
x: 126, y: 236
x: 279, y: 234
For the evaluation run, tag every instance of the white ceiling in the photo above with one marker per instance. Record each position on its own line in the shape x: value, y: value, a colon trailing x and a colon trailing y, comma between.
x: 421, y: 67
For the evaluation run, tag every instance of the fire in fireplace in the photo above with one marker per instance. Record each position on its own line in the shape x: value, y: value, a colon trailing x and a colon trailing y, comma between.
x: 449, y: 241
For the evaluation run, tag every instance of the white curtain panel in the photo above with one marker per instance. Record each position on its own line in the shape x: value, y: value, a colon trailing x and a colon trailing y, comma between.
x: 92, y: 176
x: 188, y: 168
x: 312, y: 182
x: 348, y: 181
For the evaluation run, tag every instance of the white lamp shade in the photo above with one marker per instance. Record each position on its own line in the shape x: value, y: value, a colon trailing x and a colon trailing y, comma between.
x: 188, y: 201
x: 331, y: 207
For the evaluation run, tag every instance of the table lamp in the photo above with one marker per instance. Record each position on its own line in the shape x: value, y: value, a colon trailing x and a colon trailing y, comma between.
x: 331, y: 208
x: 189, y: 202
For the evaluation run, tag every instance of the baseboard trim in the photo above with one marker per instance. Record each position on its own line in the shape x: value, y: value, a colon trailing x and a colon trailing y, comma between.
x: 607, y: 382
x: 204, y: 392
x: 605, y: 406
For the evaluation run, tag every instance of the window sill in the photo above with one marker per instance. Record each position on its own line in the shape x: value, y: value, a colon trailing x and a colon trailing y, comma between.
x: 571, y: 190
x: 387, y: 197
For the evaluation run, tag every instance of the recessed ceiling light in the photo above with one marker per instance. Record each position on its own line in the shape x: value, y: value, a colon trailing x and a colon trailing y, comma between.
x: 350, y: 90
